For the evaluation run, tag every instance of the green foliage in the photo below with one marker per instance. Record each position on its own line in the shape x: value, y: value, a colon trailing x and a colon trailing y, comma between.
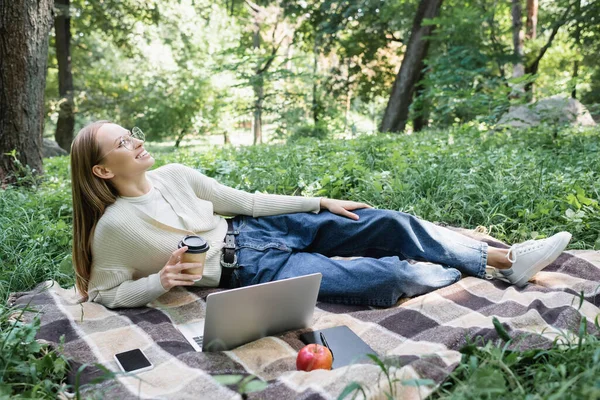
x: 318, y: 131
x: 183, y: 69
x: 35, y: 231
x: 160, y: 71
x: 462, y: 86
x: 569, y: 369
x: 243, y: 384
x: 28, y: 368
x: 364, y: 34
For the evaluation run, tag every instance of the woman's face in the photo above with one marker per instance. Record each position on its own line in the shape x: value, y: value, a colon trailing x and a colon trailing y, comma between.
x: 118, y: 160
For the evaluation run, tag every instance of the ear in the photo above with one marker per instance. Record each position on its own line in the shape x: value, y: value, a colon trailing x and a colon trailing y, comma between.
x: 102, y: 172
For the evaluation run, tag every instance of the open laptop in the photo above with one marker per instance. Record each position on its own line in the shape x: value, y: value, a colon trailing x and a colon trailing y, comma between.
x: 237, y: 316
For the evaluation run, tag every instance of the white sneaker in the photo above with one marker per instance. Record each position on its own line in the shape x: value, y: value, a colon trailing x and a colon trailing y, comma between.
x: 531, y: 257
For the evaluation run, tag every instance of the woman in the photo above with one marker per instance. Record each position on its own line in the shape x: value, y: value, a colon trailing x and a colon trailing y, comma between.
x: 128, y: 222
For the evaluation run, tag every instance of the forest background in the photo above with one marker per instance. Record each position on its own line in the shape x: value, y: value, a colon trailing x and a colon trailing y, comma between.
x: 281, y: 69
x: 182, y: 70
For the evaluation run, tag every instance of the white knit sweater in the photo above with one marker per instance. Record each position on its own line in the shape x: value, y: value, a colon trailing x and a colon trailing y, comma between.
x: 129, y: 248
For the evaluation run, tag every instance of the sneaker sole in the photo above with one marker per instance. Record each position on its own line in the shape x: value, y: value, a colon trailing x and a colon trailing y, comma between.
x: 560, y: 246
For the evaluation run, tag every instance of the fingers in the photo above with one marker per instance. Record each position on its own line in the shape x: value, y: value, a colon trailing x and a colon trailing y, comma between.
x: 348, y: 214
x: 172, y: 279
x: 183, y: 283
x: 352, y: 216
x: 184, y: 277
x: 355, y: 206
x: 175, y: 255
x: 181, y: 266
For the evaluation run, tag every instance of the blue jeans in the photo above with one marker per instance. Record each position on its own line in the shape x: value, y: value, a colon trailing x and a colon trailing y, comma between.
x: 290, y: 245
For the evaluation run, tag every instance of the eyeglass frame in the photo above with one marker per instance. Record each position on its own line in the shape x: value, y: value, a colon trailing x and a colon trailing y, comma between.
x: 134, y: 131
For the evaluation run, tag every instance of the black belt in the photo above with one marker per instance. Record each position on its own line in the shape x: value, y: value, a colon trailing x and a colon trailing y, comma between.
x: 228, y: 258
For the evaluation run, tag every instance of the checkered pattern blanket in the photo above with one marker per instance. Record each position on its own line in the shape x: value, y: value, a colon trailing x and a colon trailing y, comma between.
x: 420, y: 337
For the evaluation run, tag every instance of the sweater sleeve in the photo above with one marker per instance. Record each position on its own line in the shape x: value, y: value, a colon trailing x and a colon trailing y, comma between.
x: 230, y: 201
x: 116, y: 288
x: 112, y: 282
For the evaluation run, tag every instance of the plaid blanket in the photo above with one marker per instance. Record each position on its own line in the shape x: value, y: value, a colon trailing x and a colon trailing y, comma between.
x: 419, y: 337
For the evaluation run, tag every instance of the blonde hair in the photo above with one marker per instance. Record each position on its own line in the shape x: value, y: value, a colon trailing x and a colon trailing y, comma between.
x: 91, y: 196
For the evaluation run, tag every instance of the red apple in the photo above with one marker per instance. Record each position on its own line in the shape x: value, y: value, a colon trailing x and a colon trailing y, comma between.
x: 313, y: 356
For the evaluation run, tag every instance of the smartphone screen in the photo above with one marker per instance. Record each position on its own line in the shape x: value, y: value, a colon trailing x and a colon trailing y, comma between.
x: 132, y: 360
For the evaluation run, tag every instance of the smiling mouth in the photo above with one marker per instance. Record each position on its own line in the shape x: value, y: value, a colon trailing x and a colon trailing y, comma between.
x: 143, y: 154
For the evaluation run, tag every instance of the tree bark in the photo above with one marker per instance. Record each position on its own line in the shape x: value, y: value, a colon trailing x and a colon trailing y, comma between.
x: 518, y: 89
x: 421, y: 118
x: 518, y: 38
x: 258, y: 106
x: 66, y: 115
x: 258, y: 85
x: 179, y: 138
x: 396, y: 112
x: 315, y: 96
x: 578, y: 44
x: 532, y: 68
x: 348, y: 96
x: 532, y: 18
x: 24, y: 32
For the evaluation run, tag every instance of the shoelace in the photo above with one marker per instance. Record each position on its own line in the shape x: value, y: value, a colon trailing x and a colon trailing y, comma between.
x: 522, y: 248
x: 493, y: 274
x: 513, y: 252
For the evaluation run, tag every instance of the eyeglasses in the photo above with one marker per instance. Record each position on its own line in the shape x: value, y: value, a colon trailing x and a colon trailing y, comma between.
x: 127, y: 140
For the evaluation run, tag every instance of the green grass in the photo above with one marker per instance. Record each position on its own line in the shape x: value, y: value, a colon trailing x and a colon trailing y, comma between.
x: 28, y: 369
x: 570, y: 369
x: 520, y: 185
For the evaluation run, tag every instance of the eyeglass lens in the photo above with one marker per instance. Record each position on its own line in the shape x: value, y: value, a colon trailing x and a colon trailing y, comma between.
x: 136, y: 133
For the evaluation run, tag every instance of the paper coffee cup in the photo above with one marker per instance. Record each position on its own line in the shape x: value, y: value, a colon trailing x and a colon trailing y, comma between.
x: 196, y: 253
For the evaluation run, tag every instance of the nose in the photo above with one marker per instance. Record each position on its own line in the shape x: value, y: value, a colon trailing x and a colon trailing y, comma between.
x: 137, y: 142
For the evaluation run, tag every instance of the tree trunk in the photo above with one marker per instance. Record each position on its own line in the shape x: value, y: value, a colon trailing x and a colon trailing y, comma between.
x: 347, y: 109
x: 532, y: 68
x: 24, y: 27
x: 257, y: 86
x: 517, y: 24
x: 226, y: 139
x: 258, y: 104
x: 315, y: 95
x: 578, y: 44
x: 518, y: 39
x: 179, y: 138
x: 396, y: 112
x: 66, y: 115
x: 421, y: 119
x: 532, y: 17
x: 348, y: 96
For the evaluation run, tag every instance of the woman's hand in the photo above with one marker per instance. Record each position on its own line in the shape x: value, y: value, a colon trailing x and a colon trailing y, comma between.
x: 171, y: 275
x: 343, y: 207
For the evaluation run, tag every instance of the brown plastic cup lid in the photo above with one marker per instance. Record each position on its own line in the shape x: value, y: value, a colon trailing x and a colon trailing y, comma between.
x: 195, y: 244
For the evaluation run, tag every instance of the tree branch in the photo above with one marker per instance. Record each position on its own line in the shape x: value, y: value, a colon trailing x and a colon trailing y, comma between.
x: 496, y: 45
x: 271, y: 57
x: 390, y: 37
x: 533, y: 67
x: 253, y: 6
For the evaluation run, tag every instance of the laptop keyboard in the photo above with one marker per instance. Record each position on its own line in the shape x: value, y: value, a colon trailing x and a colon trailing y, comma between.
x: 198, y: 340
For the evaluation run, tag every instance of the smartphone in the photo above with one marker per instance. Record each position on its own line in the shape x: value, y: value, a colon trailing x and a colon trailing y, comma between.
x: 133, y: 361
